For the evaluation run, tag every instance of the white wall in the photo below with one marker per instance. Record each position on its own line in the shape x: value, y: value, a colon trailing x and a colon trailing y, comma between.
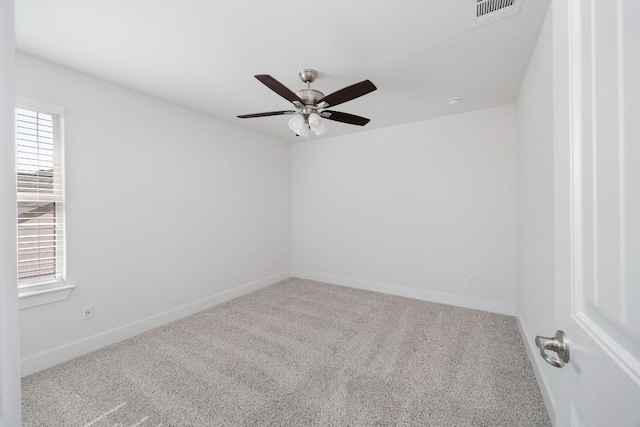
x: 535, y: 293
x: 9, y: 353
x: 165, y: 208
x: 412, y: 209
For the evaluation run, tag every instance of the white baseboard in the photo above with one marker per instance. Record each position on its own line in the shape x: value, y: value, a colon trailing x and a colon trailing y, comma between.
x: 47, y: 359
x: 535, y: 360
x: 439, y: 297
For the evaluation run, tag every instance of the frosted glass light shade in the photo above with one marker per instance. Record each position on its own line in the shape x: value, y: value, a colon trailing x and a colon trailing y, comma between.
x: 296, y: 123
x: 317, y: 124
x: 314, y: 120
x: 304, y: 130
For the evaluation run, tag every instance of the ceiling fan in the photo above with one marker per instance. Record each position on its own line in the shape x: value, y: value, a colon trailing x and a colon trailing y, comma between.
x: 311, y: 105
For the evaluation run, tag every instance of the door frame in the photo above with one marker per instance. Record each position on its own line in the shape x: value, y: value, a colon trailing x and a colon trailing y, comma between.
x: 9, y: 335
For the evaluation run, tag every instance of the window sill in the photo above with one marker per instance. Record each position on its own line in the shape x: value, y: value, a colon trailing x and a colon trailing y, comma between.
x: 35, y: 295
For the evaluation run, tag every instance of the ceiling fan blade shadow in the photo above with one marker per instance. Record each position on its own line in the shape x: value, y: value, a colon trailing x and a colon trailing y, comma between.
x: 351, y: 119
x: 270, y: 113
x: 279, y: 88
x: 348, y: 93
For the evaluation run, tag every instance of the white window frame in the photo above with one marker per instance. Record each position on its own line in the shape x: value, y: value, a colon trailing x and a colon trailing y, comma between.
x: 56, y: 290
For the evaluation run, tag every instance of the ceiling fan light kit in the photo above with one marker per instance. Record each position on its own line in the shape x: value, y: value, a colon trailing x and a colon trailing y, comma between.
x: 311, y: 104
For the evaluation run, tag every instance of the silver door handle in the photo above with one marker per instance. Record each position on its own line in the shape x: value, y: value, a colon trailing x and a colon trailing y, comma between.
x: 558, y: 344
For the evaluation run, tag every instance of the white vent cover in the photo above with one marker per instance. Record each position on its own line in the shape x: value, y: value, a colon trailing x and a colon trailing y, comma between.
x: 492, y: 10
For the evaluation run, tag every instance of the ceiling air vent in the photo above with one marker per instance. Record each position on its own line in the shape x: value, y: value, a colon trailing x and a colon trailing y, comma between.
x: 492, y: 10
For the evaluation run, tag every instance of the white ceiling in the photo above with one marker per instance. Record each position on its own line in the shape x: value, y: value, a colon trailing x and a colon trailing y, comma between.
x: 202, y: 54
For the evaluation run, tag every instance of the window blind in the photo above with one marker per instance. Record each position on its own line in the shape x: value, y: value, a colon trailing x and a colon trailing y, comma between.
x: 40, y: 197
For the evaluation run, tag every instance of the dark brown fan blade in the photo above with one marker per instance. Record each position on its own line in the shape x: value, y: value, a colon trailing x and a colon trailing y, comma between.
x: 351, y: 119
x: 348, y: 93
x: 270, y: 113
x: 279, y: 88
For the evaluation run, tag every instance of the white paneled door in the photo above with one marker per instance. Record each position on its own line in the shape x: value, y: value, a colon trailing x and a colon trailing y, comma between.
x: 598, y: 215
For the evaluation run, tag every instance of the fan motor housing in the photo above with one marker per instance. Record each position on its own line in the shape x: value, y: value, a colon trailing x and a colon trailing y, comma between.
x: 310, y: 96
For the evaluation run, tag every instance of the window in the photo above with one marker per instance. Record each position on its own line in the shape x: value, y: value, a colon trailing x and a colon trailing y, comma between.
x: 40, y: 195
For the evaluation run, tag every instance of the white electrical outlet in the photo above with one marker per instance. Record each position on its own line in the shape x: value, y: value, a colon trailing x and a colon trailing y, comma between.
x: 87, y: 312
x: 470, y: 279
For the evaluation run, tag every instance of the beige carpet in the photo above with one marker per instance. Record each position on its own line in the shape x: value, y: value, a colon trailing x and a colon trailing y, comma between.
x: 301, y: 353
